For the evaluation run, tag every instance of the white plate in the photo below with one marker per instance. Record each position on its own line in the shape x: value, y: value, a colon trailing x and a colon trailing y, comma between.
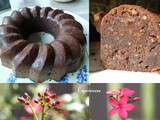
x: 80, y: 76
x: 118, y: 76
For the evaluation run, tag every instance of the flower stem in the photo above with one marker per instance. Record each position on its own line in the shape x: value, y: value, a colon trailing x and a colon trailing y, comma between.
x: 43, y: 109
x: 43, y: 112
x: 148, y: 104
x: 114, y: 87
x: 34, y: 113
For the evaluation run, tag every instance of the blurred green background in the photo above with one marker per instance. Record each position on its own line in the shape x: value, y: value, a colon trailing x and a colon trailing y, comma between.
x: 80, y: 105
x: 75, y: 103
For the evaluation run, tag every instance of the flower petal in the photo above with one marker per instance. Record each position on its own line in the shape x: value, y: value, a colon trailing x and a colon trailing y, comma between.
x: 129, y: 107
x: 123, y: 114
x: 127, y: 92
x: 35, y: 107
x: 112, y: 93
x: 136, y: 99
x: 113, y: 102
x: 109, y: 93
x: 123, y: 100
x: 112, y: 112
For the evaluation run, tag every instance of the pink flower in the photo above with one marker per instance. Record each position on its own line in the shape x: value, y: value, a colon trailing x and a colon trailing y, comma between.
x: 122, y: 92
x: 35, y: 107
x: 120, y: 107
x: 121, y: 102
x: 50, y: 94
x: 24, y: 118
x: 112, y: 93
x: 21, y: 100
x: 136, y: 99
x: 125, y: 92
x: 58, y: 104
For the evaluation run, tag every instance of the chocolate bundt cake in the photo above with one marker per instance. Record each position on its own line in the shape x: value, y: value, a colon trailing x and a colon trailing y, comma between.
x: 130, y: 39
x: 37, y: 60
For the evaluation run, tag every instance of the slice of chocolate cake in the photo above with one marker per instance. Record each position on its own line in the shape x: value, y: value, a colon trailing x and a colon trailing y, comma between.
x: 130, y: 39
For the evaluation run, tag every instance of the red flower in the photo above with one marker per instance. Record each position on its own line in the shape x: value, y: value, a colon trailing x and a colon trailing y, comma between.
x: 48, y: 93
x: 122, y: 92
x: 112, y: 93
x: 47, y: 99
x: 120, y: 107
x: 36, y: 107
x: 24, y: 118
x: 21, y: 99
x: 125, y: 92
x: 58, y: 104
x: 136, y: 99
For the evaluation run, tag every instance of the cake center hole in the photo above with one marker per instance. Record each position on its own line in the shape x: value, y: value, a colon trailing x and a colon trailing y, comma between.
x: 42, y: 37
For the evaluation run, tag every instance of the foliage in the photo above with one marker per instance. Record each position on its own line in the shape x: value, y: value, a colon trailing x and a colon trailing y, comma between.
x: 13, y: 110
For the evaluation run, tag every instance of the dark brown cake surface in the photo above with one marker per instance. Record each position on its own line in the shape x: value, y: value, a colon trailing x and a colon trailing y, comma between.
x: 130, y: 39
x: 39, y: 60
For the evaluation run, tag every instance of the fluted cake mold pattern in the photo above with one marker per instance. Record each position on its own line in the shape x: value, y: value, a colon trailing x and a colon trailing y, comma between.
x: 39, y: 61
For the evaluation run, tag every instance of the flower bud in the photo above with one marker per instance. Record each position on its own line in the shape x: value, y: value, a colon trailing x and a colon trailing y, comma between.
x: 46, y: 94
x: 26, y: 95
x: 47, y: 99
x: 36, y: 101
x: 53, y: 95
x: 136, y: 99
x: 21, y: 99
x: 27, y: 103
x: 57, y: 103
x: 39, y: 95
x: 56, y: 107
x: 49, y: 106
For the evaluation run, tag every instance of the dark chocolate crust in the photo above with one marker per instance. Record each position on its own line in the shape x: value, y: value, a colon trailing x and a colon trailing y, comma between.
x: 36, y: 60
x: 130, y: 39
